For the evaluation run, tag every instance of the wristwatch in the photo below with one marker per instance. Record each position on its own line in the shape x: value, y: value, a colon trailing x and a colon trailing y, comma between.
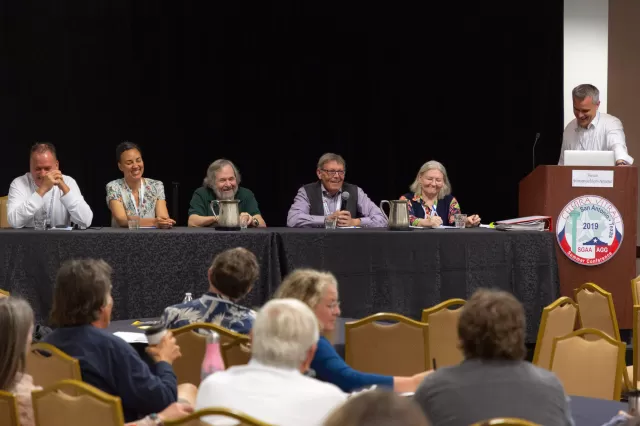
x: 155, y: 419
x: 256, y: 222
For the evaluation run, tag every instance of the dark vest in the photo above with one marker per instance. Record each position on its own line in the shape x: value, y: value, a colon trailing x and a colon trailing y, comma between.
x: 442, y: 208
x: 316, y: 206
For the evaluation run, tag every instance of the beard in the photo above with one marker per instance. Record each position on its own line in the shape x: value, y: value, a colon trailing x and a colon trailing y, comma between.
x: 226, y: 195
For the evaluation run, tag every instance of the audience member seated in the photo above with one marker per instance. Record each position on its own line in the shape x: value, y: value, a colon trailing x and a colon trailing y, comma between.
x: 134, y: 196
x: 16, y: 327
x: 272, y: 388
x: 47, y: 191
x: 222, y: 183
x: 324, y: 197
x: 493, y: 380
x: 231, y: 276
x: 430, y: 202
x: 82, y: 305
x: 377, y: 408
x: 319, y: 290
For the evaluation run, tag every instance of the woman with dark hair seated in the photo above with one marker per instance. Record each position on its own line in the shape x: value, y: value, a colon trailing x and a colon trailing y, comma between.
x: 134, y: 196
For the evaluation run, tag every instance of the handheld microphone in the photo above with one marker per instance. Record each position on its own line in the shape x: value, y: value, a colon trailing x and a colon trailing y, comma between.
x: 345, y: 198
x: 534, y: 149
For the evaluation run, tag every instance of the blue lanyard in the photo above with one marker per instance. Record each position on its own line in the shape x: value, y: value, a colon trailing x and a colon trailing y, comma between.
x: 434, y: 212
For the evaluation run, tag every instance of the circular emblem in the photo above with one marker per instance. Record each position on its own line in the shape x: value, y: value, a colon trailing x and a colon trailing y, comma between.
x: 590, y: 230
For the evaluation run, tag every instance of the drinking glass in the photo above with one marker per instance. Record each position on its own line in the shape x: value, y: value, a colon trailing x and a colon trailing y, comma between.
x: 133, y: 222
x: 40, y: 220
x: 460, y: 220
x: 244, y: 221
x: 330, y: 223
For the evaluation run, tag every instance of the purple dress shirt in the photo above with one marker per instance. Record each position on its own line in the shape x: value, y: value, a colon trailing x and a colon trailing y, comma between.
x: 299, y: 217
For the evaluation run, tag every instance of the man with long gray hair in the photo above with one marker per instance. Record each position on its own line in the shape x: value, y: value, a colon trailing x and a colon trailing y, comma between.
x: 223, y: 183
x: 593, y: 130
x: 272, y: 388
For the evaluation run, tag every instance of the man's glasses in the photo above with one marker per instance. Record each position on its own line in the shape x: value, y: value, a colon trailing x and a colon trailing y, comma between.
x: 333, y: 172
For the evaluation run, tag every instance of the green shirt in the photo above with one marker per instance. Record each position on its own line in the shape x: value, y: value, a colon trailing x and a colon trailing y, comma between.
x: 202, y: 197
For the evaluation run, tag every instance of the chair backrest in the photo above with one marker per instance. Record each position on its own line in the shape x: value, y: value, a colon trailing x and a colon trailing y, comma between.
x: 558, y: 319
x: 4, y: 220
x: 193, y: 345
x: 591, y: 368
x: 444, y: 344
x: 506, y: 421
x: 596, y: 310
x: 635, y: 290
x: 8, y: 409
x: 52, y: 407
x: 194, y: 419
x: 49, y: 365
x: 4, y: 293
x: 237, y: 352
x: 636, y: 344
x: 400, y: 348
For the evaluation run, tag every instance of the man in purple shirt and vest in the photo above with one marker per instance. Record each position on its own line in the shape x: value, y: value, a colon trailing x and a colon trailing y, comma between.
x: 326, y: 197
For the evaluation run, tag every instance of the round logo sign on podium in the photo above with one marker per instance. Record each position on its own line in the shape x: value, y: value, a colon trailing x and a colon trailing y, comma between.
x: 590, y: 230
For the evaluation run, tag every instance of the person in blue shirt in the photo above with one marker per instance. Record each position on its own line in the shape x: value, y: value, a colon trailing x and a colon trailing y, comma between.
x: 82, y: 305
x: 319, y: 290
x: 231, y: 276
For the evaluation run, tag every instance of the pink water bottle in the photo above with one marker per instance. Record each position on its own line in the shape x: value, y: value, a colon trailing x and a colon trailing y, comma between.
x: 212, y: 361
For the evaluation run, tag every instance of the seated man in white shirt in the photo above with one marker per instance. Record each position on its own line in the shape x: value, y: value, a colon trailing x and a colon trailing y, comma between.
x: 593, y: 130
x: 47, y: 191
x: 271, y: 388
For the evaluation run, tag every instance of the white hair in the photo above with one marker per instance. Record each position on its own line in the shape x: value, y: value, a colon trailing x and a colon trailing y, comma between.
x: 283, y: 333
x: 210, y: 180
x: 416, y: 187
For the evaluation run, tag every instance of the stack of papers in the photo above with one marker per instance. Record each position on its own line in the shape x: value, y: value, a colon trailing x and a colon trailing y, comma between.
x: 528, y: 223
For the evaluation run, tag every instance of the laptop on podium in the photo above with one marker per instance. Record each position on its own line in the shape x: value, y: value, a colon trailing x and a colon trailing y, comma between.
x: 589, y: 158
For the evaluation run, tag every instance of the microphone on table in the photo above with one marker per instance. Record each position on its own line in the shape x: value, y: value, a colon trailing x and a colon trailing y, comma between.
x: 534, y: 149
x: 345, y: 199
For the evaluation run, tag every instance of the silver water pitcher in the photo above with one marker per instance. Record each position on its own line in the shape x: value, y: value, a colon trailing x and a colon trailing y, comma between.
x: 398, y: 214
x: 229, y: 213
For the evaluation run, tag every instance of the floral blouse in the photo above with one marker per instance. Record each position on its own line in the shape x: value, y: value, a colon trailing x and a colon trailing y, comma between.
x: 414, y: 217
x: 153, y: 191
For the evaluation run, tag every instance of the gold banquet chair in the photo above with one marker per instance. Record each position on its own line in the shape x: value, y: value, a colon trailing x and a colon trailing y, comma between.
x: 397, y: 349
x: 506, y: 421
x: 54, y: 407
x: 49, y: 365
x: 636, y: 346
x: 193, y: 345
x: 8, y: 409
x: 635, y: 290
x: 590, y: 368
x: 194, y: 419
x: 557, y: 320
x: 444, y: 344
x: 236, y: 352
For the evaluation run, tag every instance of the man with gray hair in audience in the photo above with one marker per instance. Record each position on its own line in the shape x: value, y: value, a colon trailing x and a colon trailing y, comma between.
x: 223, y: 183
x: 272, y: 388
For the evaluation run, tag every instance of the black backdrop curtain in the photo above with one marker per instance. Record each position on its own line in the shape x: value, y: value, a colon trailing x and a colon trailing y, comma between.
x: 273, y: 85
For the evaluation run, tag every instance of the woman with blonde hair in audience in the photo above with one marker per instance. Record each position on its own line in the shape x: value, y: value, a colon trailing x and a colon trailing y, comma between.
x: 377, y: 408
x: 16, y: 329
x: 319, y: 290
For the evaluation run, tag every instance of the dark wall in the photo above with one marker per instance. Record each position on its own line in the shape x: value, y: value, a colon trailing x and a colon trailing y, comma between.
x: 272, y: 86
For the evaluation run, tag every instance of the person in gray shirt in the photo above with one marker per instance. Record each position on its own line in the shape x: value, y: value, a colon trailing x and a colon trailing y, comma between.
x: 494, y: 380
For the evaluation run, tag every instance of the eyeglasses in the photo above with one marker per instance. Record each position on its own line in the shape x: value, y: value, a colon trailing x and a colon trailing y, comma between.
x: 333, y: 305
x: 333, y: 172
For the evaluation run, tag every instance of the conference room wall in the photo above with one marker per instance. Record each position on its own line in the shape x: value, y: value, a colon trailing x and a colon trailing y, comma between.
x: 624, y: 69
x: 272, y: 86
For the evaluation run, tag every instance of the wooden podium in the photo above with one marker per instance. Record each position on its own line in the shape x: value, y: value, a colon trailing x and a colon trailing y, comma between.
x: 591, y: 227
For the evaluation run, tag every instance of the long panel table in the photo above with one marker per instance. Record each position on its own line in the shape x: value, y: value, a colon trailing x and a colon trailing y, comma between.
x: 377, y: 270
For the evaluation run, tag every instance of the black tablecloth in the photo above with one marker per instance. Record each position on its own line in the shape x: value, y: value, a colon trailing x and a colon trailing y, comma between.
x: 378, y: 270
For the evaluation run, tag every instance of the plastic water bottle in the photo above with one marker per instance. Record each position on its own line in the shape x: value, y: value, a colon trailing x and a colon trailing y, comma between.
x: 187, y: 298
x: 212, y: 361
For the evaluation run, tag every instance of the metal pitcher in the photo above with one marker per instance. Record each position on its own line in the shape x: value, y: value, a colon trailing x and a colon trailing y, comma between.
x: 229, y: 216
x: 398, y: 214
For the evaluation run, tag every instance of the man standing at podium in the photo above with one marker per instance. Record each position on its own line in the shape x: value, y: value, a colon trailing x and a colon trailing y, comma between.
x: 592, y: 130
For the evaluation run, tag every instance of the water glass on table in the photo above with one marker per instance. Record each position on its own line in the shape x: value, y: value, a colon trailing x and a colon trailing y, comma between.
x: 244, y: 221
x: 330, y: 222
x: 133, y: 222
x: 40, y: 220
x: 460, y: 220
